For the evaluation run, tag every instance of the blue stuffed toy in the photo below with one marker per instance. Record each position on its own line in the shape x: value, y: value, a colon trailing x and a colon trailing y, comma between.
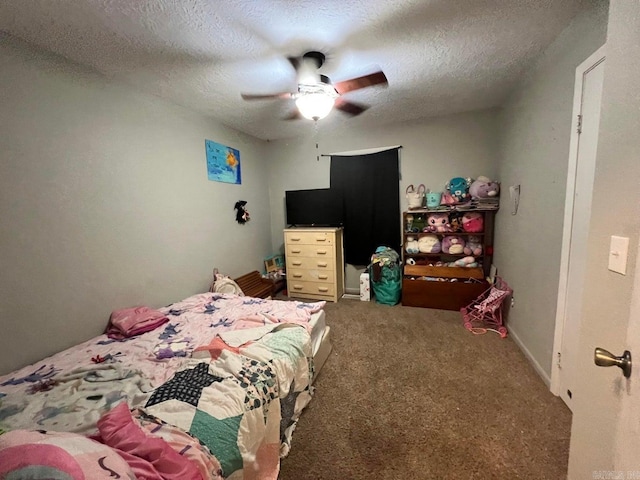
x: 459, y: 189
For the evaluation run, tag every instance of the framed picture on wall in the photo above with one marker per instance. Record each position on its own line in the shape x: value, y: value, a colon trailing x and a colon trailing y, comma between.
x: 223, y: 163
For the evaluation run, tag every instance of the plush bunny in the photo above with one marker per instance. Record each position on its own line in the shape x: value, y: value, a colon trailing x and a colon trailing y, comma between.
x: 473, y: 246
x: 453, y: 244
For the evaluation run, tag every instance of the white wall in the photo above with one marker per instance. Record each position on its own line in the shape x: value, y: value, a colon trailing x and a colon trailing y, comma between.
x: 433, y: 151
x: 105, y: 203
x: 534, y: 149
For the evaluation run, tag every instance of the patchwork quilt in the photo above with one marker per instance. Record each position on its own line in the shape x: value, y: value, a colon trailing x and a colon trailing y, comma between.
x: 232, y: 372
x: 242, y: 402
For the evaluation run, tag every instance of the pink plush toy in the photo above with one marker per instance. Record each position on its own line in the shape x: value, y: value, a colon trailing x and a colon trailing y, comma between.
x: 438, y: 222
x: 453, y: 244
x: 472, y: 222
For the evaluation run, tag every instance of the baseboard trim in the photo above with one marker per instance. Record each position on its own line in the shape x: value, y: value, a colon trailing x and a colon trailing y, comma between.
x: 351, y: 296
x: 539, y: 370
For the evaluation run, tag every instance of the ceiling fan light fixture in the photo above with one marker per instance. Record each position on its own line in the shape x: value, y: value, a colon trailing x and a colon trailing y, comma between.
x: 315, y: 106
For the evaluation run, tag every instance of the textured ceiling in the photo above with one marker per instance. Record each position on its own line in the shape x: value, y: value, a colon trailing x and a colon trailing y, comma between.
x: 440, y: 56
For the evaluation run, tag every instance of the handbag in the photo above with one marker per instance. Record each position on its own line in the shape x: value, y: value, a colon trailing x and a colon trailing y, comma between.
x: 415, y: 196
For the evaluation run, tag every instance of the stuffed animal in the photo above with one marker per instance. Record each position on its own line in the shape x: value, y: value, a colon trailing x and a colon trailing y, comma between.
x: 438, y: 222
x: 469, y: 262
x: 482, y: 187
x: 453, y: 244
x: 411, y: 245
x: 472, y: 222
x: 409, y: 225
x: 429, y: 244
x: 459, y: 189
x: 473, y: 246
x: 455, y: 222
x: 242, y: 215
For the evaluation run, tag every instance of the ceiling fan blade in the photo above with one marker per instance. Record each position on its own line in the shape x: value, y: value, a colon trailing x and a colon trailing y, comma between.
x: 345, y: 86
x: 349, y: 107
x: 249, y: 96
x: 294, y: 115
x: 295, y: 62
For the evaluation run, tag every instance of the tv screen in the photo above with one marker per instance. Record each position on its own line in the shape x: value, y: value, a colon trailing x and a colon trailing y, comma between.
x: 322, y: 207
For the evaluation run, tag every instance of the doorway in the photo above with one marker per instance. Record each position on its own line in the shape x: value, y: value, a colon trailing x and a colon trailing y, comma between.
x: 577, y: 216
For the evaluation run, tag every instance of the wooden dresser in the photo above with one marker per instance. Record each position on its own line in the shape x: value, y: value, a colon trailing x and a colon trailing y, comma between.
x: 315, y: 263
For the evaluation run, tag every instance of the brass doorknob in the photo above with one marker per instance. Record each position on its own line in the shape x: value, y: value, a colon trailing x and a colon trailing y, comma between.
x: 604, y: 358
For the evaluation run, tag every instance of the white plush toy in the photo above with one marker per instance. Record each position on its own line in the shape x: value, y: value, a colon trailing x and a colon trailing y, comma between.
x: 411, y: 245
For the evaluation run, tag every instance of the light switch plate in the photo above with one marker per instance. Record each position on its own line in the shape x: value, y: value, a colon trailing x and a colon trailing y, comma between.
x: 618, y: 251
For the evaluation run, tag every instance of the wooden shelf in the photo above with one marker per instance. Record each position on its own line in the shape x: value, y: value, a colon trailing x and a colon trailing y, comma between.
x: 444, y: 287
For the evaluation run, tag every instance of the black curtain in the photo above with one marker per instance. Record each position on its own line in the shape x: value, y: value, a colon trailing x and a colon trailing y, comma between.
x: 371, y: 186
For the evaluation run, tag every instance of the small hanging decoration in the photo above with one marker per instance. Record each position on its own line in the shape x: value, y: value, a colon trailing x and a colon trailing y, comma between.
x: 242, y: 215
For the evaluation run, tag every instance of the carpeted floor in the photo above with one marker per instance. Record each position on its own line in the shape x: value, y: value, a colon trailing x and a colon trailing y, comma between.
x: 408, y: 393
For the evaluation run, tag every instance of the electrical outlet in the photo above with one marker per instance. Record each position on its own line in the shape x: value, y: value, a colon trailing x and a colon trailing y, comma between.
x: 513, y: 302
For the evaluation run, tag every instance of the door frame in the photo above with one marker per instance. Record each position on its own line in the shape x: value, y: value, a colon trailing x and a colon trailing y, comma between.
x: 561, y: 307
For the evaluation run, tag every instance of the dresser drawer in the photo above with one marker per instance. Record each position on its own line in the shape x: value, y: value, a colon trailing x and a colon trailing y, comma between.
x: 317, y: 251
x: 311, y: 275
x: 317, y: 263
x: 313, y: 288
x: 309, y: 238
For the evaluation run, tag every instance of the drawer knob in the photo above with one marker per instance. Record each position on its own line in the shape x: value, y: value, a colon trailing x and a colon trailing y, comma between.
x: 322, y: 264
x: 297, y: 264
x: 322, y: 277
x: 321, y: 239
x: 295, y: 239
x: 297, y: 275
x: 323, y: 289
x: 322, y: 252
x: 297, y: 287
x: 295, y: 251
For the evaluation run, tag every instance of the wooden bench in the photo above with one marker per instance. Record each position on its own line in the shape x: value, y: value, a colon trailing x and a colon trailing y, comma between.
x: 253, y: 285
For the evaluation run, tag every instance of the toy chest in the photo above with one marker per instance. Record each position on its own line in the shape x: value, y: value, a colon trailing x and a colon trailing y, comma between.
x: 459, y: 286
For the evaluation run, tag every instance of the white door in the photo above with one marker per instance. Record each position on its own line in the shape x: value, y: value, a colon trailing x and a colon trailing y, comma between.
x: 580, y: 175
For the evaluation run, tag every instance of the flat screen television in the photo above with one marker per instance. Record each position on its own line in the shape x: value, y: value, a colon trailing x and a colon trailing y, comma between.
x: 321, y: 207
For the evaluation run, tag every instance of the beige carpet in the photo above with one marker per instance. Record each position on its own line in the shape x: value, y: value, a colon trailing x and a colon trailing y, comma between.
x: 408, y: 393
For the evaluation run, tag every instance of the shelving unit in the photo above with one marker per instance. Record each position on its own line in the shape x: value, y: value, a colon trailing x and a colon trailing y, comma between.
x: 429, y: 283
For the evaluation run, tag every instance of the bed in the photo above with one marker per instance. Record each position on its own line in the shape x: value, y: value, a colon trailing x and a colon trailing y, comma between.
x: 214, y: 391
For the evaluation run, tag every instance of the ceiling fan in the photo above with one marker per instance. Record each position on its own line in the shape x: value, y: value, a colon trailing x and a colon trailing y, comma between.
x: 316, y: 95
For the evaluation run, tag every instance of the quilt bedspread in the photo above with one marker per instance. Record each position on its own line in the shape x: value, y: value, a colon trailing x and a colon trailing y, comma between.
x: 71, y: 389
x: 242, y: 402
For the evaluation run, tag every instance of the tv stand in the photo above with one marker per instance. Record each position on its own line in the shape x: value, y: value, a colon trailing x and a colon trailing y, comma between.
x: 315, y: 262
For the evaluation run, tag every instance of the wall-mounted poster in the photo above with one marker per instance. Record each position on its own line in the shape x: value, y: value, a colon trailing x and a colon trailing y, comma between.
x: 223, y: 163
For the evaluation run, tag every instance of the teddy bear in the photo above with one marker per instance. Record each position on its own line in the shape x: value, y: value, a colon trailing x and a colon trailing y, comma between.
x: 453, y: 244
x: 482, y: 187
x: 411, y: 245
x: 429, y: 244
x: 472, y: 222
x: 438, y: 222
x: 473, y: 246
